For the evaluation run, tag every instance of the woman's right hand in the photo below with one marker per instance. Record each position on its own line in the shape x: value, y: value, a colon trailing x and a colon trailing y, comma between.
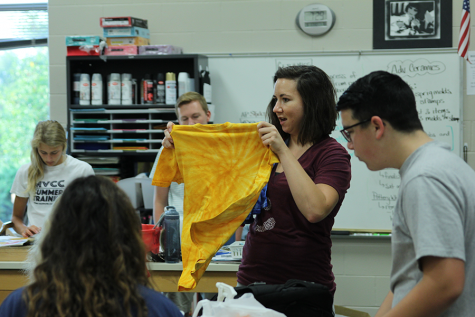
x: 270, y: 137
x: 168, y: 140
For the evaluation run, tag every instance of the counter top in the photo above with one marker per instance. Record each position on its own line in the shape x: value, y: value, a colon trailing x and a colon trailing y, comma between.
x: 212, y: 267
x: 13, y: 258
x: 164, y: 276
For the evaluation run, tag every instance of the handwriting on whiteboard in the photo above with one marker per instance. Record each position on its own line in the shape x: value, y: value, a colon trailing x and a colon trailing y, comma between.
x: 419, y: 67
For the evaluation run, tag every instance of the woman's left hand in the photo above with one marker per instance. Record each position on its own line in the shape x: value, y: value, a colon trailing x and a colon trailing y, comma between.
x: 270, y: 136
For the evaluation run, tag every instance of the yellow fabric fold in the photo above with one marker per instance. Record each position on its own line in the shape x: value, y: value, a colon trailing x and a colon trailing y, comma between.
x: 224, y: 168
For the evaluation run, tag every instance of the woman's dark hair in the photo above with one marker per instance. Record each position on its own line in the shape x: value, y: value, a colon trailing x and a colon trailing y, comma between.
x: 318, y: 97
x: 384, y: 95
x: 91, y: 260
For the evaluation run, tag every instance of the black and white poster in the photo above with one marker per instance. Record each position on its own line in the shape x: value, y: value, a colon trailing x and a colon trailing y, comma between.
x: 412, y: 24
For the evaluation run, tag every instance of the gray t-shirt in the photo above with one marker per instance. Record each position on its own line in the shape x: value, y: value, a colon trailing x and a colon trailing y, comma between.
x: 434, y: 216
x: 176, y: 194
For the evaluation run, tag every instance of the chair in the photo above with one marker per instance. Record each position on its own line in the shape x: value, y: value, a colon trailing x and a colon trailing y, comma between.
x: 140, y: 192
x: 4, y: 226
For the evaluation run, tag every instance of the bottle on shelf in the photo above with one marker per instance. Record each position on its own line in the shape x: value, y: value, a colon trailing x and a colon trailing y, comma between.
x: 148, y: 95
x: 126, y: 89
x: 108, y: 84
x: 114, y: 89
x: 96, y: 89
x: 76, y: 88
x: 134, y: 91
x: 85, y: 90
x: 183, y: 83
x: 170, y: 89
x: 160, y: 96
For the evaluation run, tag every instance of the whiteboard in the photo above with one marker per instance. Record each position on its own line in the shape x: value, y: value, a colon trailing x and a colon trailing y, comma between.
x: 243, y: 86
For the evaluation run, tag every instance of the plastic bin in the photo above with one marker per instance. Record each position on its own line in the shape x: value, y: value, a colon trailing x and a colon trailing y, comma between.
x: 236, y: 249
x: 151, y: 238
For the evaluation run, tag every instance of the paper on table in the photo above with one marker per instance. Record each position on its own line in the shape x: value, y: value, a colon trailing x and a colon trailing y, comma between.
x: 8, y: 241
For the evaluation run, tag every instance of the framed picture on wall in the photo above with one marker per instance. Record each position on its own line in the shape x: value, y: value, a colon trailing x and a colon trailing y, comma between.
x: 412, y: 24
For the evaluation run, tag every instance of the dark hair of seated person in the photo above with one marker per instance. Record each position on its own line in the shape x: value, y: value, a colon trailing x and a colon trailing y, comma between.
x: 90, y: 257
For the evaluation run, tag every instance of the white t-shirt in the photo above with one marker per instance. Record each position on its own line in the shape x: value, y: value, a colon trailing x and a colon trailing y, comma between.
x: 47, y: 190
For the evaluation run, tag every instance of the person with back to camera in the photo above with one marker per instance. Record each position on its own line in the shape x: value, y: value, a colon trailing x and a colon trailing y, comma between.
x: 40, y: 182
x: 89, y: 260
x: 291, y: 240
x: 433, y: 241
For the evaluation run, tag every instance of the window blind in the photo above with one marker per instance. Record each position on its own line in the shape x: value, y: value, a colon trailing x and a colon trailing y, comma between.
x: 23, y: 25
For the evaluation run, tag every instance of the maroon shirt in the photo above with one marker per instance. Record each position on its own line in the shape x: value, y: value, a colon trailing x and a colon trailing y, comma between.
x: 282, y: 244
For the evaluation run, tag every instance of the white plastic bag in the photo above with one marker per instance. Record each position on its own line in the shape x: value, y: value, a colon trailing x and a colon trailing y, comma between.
x: 245, y: 306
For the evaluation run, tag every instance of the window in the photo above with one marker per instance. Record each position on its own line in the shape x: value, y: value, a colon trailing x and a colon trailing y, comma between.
x: 24, y: 91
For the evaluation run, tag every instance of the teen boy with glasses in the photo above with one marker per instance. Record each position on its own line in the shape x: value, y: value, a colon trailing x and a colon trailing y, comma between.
x: 433, y: 236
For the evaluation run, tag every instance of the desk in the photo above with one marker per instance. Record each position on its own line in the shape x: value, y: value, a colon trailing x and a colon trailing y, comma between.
x: 164, y: 276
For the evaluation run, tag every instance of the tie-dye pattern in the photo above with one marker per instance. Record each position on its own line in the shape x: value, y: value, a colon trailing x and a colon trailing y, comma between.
x: 224, y: 168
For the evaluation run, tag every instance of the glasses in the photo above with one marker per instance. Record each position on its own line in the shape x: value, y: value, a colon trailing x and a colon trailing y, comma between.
x: 346, y: 134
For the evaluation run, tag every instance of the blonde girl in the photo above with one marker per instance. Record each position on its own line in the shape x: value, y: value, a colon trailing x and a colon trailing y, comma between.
x: 39, y: 183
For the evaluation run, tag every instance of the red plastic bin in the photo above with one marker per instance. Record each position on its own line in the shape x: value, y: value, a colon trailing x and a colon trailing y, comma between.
x: 151, y: 238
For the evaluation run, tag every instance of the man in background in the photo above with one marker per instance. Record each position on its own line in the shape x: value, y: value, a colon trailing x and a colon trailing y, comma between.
x: 433, y: 241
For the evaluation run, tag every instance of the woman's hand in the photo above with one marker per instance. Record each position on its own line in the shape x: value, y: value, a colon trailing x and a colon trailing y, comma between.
x: 29, y: 231
x: 168, y: 140
x: 270, y: 137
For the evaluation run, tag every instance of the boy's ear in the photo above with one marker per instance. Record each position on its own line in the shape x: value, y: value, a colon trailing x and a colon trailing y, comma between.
x: 379, y: 126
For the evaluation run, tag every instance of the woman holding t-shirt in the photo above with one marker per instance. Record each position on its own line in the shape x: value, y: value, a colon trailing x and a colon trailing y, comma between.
x: 40, y: 182
x: 291, y: 239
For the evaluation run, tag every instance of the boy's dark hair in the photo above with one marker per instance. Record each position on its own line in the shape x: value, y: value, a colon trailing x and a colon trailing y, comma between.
x: 318, y: 97
x: 384, y: 95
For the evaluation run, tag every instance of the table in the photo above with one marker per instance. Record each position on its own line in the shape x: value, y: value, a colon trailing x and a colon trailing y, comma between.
x: 164, y: 276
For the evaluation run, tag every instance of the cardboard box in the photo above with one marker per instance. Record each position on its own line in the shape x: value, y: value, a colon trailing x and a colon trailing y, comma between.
x: 121, y: 41
x: 344, y: 311
x: 85, y: 50
x: 80, y: 40
x: 110, y: 22
x: 159, y: 49
x: 121, y: 50
x: 128, y: 31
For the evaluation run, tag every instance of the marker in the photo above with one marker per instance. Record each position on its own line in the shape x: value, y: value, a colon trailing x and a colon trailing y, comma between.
x: 340, y: 232
x: 369, y: 234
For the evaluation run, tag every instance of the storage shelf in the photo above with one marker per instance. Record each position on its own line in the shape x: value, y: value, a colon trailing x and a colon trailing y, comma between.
x: 119, y: 131
x: 131, y: 152
x: 117, y: 141
x: 129, y: 110
x: 120, y: 121
x: 137, y: 106
x: 119, y: 125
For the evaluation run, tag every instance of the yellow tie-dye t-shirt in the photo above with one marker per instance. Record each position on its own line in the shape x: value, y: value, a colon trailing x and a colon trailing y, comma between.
x: 224, y: 168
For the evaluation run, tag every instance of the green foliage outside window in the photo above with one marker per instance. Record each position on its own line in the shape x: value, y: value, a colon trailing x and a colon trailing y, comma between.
x: 24, y: 100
